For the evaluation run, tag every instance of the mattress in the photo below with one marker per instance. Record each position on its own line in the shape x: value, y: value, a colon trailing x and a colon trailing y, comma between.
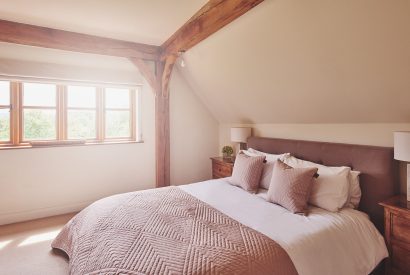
x: 320, y: 243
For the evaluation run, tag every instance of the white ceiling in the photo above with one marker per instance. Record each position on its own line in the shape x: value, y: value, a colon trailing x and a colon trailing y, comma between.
x: 144, y: 21
x: 292, y: 61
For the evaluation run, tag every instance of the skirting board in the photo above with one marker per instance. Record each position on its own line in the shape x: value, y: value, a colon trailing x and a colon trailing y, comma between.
x: 14, y: 217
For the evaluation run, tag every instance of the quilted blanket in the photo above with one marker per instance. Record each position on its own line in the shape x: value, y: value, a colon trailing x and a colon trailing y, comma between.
x: 165, y: 231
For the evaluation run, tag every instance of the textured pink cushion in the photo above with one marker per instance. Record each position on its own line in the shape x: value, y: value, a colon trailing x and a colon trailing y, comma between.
x: 290, y: 187
x: 247, y: 172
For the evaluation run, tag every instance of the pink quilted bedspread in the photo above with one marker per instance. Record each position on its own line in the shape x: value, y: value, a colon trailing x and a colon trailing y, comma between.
x: 165, y: 231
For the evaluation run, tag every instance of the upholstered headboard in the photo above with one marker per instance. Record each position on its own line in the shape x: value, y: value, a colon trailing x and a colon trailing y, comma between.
x: 379, y: 171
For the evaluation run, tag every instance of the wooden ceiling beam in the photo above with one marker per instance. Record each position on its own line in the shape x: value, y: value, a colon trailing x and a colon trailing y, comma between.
x: 148, y: 73
x: 31, y: 35
x: 209, y: 19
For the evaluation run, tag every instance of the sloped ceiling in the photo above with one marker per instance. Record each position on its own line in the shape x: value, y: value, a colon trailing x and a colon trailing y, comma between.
x: 292, y: 61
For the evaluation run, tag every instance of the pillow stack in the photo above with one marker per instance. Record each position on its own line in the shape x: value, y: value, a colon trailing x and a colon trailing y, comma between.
x: 268, y: 165
x: 293, y: 183
x: 332, y: 189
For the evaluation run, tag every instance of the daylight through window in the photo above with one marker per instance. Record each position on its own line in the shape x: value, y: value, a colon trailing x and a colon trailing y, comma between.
x: 49, y: 112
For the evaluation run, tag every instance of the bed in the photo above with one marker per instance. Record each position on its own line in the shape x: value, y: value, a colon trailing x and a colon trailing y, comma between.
x: 213, y: 227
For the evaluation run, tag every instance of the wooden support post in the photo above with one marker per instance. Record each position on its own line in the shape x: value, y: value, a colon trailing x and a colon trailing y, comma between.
x: 159, y: 82
x: 163, y: 165
x: 162, y: 140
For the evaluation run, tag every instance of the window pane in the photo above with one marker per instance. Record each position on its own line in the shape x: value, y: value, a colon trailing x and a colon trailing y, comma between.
x: 36, y: 94
x: 81, y: 124
x: 117, y: 124
x: 4, y: 124
x: 39, y: 124
x: 4, y: 93
x: 117, y: 98
x: 81, y: 96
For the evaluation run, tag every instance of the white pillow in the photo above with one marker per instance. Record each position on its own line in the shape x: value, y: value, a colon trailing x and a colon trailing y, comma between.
x: 267, y: 166
x: 331, y: 189
x: 355, y: 193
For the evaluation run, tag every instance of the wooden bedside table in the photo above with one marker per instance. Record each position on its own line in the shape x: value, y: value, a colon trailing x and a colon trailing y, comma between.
x: 221, y: 168
x: 397, y: 234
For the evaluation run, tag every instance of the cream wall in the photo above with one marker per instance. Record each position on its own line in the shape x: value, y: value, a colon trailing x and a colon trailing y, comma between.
x: 194, y: 134
x: 43, y: 182
x: 378, y: 134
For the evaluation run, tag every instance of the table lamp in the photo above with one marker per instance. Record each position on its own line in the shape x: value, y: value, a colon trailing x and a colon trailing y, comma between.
x: 402, y: 152
x: 240, y: 135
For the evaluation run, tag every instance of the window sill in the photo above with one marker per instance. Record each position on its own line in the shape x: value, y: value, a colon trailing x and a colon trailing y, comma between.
x: 28, y: 146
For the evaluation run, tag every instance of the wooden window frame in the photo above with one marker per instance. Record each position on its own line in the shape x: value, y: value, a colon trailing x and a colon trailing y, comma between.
x: 17, y: 114
x: 10, y: 108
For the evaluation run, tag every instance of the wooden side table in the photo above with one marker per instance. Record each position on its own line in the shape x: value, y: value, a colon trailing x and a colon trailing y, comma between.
x: 397, y: 234
x: 221, y: 167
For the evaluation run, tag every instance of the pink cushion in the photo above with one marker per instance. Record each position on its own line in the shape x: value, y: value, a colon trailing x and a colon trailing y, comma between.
x: 247, y: 172
x: 290, y: 187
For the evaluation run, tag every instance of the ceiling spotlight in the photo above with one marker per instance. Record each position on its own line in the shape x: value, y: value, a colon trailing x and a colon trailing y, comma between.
x: 181, y: 56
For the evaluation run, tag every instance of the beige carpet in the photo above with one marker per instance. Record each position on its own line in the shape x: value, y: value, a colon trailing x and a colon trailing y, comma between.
x: 25, y: 247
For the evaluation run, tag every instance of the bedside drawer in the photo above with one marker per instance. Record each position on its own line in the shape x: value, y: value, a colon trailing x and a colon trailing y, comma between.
x: 397, y: 234
x: 400, y: 258
x: 221, y: 169
x: 400, y: 228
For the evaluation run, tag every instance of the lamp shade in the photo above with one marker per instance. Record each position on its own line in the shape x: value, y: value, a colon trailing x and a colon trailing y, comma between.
x: 240, y: 134
x: 402, y: 146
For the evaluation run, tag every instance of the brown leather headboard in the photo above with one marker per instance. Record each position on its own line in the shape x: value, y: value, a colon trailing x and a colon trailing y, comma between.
x: 379, y: 171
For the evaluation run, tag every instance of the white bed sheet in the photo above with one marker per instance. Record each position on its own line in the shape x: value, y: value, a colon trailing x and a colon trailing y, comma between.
x: 321, y: 243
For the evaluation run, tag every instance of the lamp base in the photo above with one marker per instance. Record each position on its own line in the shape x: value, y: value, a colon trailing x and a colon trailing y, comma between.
x: 408, y: 182
x: 241, y: 146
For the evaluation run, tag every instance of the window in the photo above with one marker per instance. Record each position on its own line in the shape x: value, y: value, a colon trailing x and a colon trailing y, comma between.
x: 5, y: 108
x: 117, y: 111
x: 39, y: 111
x: 32, y: 112
x: 81, y: 112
